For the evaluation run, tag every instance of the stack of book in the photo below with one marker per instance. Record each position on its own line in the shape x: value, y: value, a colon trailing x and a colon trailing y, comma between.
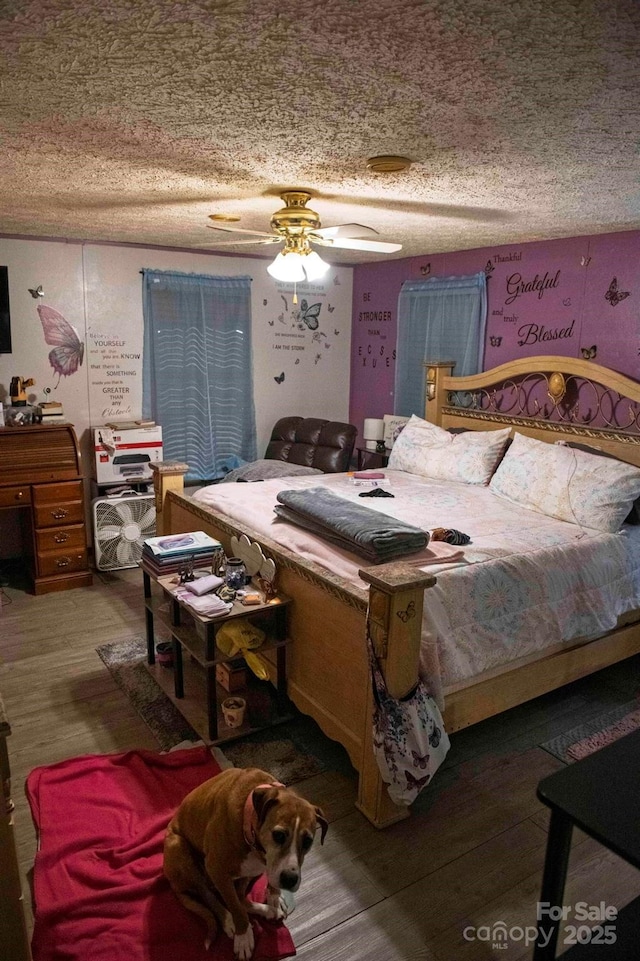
x: 172, y: 552
x: 52, y: 412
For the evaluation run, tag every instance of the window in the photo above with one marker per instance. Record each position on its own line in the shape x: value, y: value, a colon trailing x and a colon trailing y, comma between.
x: 197, y: 368
x: 443, y: 318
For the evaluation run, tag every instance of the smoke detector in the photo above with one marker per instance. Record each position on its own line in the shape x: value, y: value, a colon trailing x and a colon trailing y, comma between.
x: 388, y: 164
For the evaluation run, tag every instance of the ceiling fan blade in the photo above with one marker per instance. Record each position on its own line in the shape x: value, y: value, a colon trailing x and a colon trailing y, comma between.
x: 214, y: 244
x: 345, y: 230
x: 241, y: 230
x: 346, y: 243
x: 418, y: 206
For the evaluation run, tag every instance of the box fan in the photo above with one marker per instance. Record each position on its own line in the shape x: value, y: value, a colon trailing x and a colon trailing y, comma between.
x: 120, y: 526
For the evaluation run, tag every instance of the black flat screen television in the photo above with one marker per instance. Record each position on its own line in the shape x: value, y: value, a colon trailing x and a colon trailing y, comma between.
x: 5, y: 318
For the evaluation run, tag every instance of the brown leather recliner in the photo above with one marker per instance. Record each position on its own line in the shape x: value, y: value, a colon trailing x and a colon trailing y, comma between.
x: 301, y: 445
x: 326, y: 445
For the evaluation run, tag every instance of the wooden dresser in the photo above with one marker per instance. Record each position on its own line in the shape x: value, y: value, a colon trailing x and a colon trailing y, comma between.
x: 40, y: 475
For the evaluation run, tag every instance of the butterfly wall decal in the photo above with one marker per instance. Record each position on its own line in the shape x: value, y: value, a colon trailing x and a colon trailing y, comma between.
x: 310, y: 314
x: 495, y: 341
x: 330, y: 308
x: 271, y: 323
x: 425, y: 270
x: 488, y: 268
x: 589, y: 353
x: 68, y: 349
x: 264, y: 302
x: 36, y: 291
x: 613, y: 295
x: 279, y: 379
x: 408, y: 614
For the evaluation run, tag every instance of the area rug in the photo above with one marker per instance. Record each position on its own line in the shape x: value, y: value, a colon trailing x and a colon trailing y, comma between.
x: 99, y: 888
x: 292, y: 751
x: 125, y: 660
x: 590, y: 736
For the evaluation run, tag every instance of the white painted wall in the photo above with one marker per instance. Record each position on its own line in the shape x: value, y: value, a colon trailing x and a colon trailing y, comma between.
x: 98, y: 289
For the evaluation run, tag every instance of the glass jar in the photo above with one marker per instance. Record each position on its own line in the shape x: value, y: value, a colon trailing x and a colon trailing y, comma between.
x: 236, y: 573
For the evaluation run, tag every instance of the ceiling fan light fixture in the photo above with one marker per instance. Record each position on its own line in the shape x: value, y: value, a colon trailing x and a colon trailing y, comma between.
x: 314, y: 266
x: 388, y: 164
x: 287, y: 267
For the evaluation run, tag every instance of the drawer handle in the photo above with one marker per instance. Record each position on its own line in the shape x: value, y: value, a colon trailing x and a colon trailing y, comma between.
x: 59, y: 513
x: 60, y: 538
x: 63, y: 562
x: 19, y: 495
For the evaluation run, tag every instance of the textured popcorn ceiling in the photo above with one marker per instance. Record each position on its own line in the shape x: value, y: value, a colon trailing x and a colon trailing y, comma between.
x: 131, y: 120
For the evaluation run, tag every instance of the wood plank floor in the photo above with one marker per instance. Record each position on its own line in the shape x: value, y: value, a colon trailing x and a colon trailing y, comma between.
x: 469, y: 857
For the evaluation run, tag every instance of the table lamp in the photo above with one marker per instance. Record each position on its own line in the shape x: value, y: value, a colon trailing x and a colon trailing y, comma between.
x: 374, y: 434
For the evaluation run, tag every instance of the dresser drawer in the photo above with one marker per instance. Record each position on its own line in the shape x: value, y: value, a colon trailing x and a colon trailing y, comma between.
x: 61, y: 539
x: 59, y: 514
x: 15, y: 496
x: 62, y: 562
x: 44, y: 494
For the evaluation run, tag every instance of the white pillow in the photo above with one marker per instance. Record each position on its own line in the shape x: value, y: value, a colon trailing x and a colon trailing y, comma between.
x: 470, y: 457
x: 566, y: 483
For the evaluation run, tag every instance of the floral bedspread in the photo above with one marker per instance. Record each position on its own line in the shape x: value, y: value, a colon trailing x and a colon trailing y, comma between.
x: 525, y: 582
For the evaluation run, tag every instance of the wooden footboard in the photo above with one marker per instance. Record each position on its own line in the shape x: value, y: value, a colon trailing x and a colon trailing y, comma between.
x: 328, y: 671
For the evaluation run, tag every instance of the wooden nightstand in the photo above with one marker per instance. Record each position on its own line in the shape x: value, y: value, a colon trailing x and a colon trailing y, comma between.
x: 195, y: 634
x: 371, y: 459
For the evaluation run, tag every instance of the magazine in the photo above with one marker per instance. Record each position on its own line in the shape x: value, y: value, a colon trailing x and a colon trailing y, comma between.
x: 194, y: 542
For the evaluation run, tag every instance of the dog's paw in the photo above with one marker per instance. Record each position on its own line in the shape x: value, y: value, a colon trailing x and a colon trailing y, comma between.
x: 212, y: 930
x: 243, y: 944
x: 228, y: 926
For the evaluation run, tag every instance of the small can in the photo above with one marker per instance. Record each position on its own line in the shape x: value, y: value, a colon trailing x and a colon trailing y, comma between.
x: 236, y: 573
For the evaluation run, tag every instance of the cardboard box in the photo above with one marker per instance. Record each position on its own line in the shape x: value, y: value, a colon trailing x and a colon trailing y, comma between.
x: 232, y: 675
x: 124, y: 455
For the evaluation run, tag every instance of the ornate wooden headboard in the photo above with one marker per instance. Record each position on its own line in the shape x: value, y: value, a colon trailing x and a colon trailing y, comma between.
x: 551, y: 398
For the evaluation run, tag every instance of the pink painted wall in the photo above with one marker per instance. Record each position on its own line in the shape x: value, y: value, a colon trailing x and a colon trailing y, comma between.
x: 568, y: 297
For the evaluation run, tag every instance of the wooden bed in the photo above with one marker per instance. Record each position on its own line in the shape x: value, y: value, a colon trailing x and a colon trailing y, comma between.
x: 549, y: 398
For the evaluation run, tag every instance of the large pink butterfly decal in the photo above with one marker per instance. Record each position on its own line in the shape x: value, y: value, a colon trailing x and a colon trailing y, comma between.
x: 68, y: 349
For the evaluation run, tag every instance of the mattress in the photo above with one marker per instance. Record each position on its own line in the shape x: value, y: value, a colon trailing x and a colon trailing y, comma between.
x: 526, y: 582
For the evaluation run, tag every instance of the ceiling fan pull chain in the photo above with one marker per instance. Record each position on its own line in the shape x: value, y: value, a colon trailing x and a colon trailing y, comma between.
x: 295, y: 295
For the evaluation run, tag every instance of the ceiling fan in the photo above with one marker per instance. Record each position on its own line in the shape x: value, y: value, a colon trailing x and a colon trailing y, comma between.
x: 297, y: 226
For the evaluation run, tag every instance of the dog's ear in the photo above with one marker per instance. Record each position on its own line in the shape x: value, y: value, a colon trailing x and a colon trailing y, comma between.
x: 263, y: 800
x: 324, y: 824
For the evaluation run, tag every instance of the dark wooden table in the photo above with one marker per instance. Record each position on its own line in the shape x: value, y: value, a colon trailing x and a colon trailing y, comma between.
x: 601, y: 795
x: 371, y: 459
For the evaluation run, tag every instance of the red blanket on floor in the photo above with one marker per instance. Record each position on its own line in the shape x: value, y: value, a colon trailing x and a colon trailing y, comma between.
x: 100, y: 893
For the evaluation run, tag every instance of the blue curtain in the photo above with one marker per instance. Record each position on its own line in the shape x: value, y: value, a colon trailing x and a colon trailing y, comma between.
x: 197, y: 370
x: 443, y: 318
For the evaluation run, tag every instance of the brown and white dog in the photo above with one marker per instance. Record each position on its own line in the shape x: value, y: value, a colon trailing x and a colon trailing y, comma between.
x: 233, y: 828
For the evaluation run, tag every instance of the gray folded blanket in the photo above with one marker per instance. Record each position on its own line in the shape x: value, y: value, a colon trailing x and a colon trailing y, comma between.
x: 354, y: 527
